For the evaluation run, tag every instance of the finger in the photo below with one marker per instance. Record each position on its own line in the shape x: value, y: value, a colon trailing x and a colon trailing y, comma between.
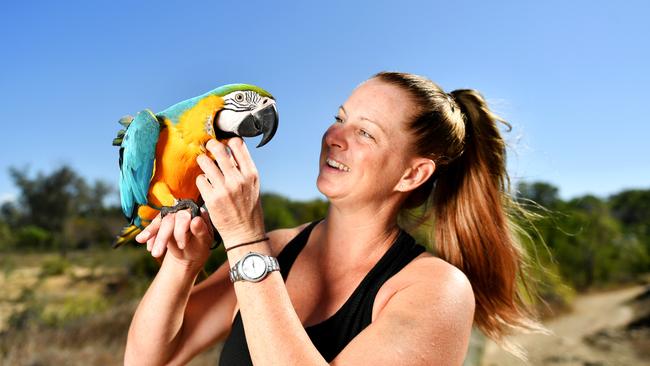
x: 182, y: 229
x: 150, y: 243
x: 200, y: 229
x: 208, y: 222
x: 223, y: 158
x: 164, y: 233
x: 205, y: 188
x: 210, y: 169
x: 149, y: 231
x: 242, y: 156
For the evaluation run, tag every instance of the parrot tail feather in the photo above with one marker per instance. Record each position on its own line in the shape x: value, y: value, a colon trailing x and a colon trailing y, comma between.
x: 127, y: 235
x: 124, y: 121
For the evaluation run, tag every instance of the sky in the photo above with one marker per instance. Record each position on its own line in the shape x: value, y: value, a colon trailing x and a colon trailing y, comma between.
x: 570, y: 76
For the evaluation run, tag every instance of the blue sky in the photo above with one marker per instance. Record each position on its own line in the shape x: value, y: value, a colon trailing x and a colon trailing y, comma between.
x: 572, y: 77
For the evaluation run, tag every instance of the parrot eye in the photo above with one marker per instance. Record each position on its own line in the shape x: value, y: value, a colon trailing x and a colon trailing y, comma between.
x: 239, y: 97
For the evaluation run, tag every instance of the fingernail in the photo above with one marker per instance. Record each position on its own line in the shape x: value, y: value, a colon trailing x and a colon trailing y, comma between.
x: 203, y: 210
x: 142, y: 236
x: 155, y: 252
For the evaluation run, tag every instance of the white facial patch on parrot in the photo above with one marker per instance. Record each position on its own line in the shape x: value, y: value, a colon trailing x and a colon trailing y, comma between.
x: 229, y: 120
x: 237, y: 106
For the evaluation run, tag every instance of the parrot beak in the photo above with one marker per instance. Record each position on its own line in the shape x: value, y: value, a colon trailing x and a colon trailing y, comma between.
x: 261, y: 121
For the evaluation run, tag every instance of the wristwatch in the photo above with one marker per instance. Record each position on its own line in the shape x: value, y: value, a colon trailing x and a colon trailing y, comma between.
x: 253, y: 267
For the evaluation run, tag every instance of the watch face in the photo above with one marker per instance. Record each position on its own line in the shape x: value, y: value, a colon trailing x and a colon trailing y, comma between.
x: 253, y: 267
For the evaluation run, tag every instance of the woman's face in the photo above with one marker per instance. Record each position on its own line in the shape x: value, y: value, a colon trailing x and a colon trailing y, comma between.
x: 365, y: 151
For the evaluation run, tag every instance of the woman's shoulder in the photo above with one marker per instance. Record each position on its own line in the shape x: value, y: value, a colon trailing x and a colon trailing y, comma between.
x: 431, y: 275
x: 427, y: 266
x: 438, y: 274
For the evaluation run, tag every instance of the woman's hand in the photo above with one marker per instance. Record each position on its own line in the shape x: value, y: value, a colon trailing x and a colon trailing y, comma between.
x: 188, y: 240
x: 231, y: 190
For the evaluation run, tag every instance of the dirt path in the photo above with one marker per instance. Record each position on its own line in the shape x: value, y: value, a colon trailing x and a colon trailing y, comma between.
x: 573, y: 342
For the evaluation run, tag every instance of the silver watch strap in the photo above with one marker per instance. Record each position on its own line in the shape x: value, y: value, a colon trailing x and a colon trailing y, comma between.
x: 272, y: 263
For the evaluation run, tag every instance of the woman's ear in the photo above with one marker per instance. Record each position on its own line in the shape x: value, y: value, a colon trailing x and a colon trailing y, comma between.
x: 419, y: 172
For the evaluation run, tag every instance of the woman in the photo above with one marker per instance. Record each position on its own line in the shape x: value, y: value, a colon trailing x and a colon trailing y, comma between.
x: 359, y: 290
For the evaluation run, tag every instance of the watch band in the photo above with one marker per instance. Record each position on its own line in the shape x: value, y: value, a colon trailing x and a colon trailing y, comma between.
x: 236, y: 272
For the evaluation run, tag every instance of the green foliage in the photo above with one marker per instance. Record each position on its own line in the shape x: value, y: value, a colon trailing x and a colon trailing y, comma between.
x: 47, y: 199
x: 54, y: 266
x: 277, y: 213
x: 632, y: 209
x: 9, y: 214
x: 540, y: 193
x: 58, y: 202
x: 6, y: 237
x: 32, y: 237
x: 280, y: 212
x: 593, y: 242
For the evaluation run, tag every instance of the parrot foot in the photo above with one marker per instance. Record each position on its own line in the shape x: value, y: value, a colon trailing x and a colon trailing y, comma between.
x: 181, y: 205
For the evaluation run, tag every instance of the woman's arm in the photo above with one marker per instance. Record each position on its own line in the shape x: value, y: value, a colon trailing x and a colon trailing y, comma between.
x: 155, y: 329
x: 171, y: 319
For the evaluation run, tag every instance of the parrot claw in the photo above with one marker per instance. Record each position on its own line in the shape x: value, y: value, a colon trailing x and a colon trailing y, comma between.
x: 181, y: 205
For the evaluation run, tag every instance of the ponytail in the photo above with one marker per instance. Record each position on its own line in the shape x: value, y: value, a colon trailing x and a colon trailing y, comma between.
x: 468, y: 198
x: 473, y: 227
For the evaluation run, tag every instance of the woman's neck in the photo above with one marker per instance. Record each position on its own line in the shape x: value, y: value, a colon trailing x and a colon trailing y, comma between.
x: 350, y: 238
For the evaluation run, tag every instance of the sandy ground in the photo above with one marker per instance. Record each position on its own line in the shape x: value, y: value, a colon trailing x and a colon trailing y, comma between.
x: 589, y: 335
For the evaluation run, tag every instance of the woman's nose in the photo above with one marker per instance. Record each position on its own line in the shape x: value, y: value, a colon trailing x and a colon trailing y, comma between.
x: 335, y: 136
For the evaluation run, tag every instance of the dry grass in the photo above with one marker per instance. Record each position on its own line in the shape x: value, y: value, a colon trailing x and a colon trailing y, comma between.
x: 96, y: 340
x: 71, y: 312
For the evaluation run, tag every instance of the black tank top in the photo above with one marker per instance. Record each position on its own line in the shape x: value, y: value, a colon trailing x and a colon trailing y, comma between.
x: 333, y: 334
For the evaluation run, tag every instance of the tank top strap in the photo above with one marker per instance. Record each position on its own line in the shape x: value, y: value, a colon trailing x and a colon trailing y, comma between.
x: 290, y: 251
x: 400, y: 254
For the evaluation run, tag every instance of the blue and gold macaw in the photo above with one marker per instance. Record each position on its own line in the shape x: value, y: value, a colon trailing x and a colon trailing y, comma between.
x: 158, y: 151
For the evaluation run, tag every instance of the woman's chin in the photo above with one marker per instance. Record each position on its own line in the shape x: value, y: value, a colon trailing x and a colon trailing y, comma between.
x: 327, y: 188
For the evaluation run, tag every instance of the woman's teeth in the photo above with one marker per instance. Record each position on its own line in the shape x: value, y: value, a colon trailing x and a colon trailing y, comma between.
x: 337, y: 165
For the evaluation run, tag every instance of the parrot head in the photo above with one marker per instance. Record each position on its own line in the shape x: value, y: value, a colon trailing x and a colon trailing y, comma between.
x: 230, y: 110
x: 247, y: 111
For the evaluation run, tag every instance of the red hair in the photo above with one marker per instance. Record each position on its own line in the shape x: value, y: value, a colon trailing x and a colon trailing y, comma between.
x: 468, y: 204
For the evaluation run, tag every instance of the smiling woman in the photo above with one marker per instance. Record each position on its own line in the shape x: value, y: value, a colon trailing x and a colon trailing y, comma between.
x: 354, y: 287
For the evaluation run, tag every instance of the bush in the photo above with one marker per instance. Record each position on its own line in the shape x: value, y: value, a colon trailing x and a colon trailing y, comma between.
x: 54, y: 266
x: 6, y: 237
x: 33, y: 237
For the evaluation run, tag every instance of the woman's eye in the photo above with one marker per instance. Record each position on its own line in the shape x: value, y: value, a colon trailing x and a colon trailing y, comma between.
x: 338, y: 119
x: 364, y: 133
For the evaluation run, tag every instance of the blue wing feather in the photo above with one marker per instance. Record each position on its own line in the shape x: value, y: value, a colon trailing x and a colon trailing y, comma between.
x: 138, y: 157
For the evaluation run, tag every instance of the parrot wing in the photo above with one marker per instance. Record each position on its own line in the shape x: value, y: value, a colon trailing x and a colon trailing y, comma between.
x: 137, y: 158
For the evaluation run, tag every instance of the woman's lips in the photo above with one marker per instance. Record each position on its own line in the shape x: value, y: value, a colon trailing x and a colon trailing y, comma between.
x: 337, y: 165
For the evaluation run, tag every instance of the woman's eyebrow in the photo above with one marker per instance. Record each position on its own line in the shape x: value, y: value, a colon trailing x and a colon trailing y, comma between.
x: 366, y: 119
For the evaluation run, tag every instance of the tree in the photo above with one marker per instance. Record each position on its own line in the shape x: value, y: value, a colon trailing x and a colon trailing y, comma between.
x: 632, y: 208
x: 541, y: 193
x: 51, y: 201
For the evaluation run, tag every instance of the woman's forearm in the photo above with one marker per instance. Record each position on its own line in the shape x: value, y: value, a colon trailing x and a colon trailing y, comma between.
x: 156, y: 326
x: 274, y: 333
